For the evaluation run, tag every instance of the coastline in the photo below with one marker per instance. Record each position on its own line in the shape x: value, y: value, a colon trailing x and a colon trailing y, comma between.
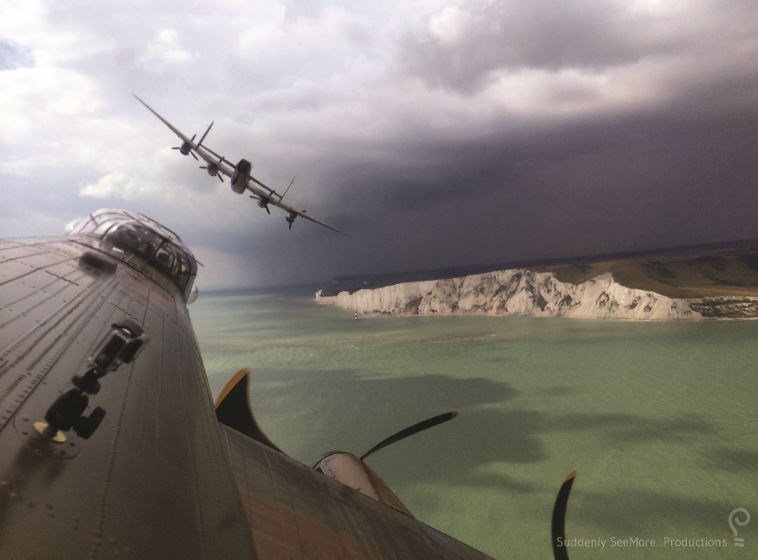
x: 522, y: 292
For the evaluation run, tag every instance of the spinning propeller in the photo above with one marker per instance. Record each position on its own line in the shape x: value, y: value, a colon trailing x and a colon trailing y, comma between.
x: 213, y: 171
x: 186, y: 147
x: 262, y: 202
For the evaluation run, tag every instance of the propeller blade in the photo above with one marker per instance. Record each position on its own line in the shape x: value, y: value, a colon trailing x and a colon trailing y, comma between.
x: 193, y: 155
x: 410, y: 430
x: 558, y: 524
x: 203, y: 167
x: 220, y: 178
x: 267, y: 210
x: 176, y: 148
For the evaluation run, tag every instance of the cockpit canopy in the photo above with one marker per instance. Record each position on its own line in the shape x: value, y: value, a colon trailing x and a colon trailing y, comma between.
x: 126, y: 234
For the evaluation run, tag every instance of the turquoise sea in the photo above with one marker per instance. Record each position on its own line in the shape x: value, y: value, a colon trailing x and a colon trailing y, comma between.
x: 660, y: 420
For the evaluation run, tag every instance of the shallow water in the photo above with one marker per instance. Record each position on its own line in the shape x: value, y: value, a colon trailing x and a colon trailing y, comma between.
x: 659, y: 419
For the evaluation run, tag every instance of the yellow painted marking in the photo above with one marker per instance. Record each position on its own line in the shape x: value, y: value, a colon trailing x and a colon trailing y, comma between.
x: 41, y: 428
x: 236, y: 378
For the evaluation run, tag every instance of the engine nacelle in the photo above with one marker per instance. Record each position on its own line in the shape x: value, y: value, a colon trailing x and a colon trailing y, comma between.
x: 239, y: 189
x: 351, y: 471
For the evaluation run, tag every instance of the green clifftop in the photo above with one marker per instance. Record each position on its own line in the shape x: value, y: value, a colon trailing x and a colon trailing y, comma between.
x: 676, y: 276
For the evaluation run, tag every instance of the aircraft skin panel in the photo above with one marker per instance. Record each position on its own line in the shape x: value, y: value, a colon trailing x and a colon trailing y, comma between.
x: 153, y: 480
x: 296, y: 512
x: 160, y: 477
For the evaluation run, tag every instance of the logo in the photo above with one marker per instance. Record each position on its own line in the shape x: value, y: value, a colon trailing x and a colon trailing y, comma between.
x: 740, y: 517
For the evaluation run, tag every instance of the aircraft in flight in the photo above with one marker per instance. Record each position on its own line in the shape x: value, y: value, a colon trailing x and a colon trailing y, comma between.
x: 240, y: 174
x: 111, y: 445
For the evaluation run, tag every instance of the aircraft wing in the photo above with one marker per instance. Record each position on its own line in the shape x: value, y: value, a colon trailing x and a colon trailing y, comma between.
x: 296, y: 512
x: 319, y: 222
x: 260, y: 189
x: 358, y: 518
x: 175, y: 130
x: 209, y: 156
x: 224, y: 165
x: 303, y: 214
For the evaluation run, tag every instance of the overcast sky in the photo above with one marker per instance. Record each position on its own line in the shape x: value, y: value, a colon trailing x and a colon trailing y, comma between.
x: 437, y: 133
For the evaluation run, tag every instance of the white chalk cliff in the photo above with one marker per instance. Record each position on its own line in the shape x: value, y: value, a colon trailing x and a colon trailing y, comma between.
x: 524, y: 292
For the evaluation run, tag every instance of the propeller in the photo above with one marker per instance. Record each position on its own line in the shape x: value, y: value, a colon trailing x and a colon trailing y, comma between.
x: 217, y: 174
x: 187, y: 146
x: 190, y: 152
x: 263, y: 204
x: 558, y: 523
x: 410, y: 430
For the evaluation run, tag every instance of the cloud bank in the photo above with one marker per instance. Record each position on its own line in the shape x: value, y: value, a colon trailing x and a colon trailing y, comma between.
x: 436, y: 133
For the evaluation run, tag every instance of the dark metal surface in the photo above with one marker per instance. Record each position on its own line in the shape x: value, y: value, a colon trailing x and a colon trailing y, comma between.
x: 153, y: 480
x: 159, y: 477
x: 295, y: 512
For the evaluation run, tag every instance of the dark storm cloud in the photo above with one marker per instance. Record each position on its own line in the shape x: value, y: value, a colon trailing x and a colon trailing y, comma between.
x: 681, y: 170
x: 660, y: 185
x: 624, y: 184
x: 436, y: 135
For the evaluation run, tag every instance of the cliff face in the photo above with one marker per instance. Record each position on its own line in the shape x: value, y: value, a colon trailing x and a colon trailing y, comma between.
x: 523, y: 292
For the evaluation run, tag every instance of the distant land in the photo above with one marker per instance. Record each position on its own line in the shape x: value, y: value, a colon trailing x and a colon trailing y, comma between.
x: 717, y: 280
